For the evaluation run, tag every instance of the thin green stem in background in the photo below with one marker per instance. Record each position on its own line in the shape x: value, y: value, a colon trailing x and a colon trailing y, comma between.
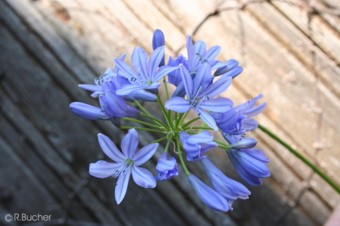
x: 315, y: 168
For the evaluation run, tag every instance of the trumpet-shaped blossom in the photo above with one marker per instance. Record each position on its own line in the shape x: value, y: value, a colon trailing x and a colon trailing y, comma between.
x: 250, y: 164
x: 197, y: 55
x: 125, y: 163
x: 196, y: 145
x: 166, y: 167
x: 145, y: 72
x: 228, y: 188
x: 200, y: 95
x: 111, y: 105
x: 208, y: 196
x: 238, y: 120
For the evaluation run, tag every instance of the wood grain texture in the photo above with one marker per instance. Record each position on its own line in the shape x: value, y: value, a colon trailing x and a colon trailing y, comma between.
x: 48, y: 47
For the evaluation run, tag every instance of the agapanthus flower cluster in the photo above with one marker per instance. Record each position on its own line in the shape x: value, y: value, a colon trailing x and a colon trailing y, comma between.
x: 189, y: 83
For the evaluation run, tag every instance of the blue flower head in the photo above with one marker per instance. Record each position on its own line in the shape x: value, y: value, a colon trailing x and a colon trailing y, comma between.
x: 238, y: 120
x: 250, y: 164
x: 111, y: 105
x: 198, y: 55
x: 228, y: 188
x: 200, y: 95
x: 125, y: 163
x: 196, y: 145
x: 199, y: 79
x: 145, y: 72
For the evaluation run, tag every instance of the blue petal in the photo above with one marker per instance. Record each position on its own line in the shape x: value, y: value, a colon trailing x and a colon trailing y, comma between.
x: 244, y: 143
x: 218, y: 87
x: 115, y: 106
x: 125, y: 70
x: 154, y: 61
x: 207, y: 118
x: 145, y: 154
x: 203, y: 72
x: 103, y: 169
x: 223, y: 68
x: 110, y: 149
x: 122, y: 184
x: 190, y: 50
x: 88, y: 111
x: 90, y: 87
x: 178, y: 104
x: 139, y: 61
x: 220, y: 105
x: 126, y: 90
x: 187, y: 81
x: 143, y: 177
x: 228, y: 188
x: 256, y: 110
x: 257, y: 154
x: 234, y: 72
x: 200, y: 48
x: 129, y: 143
x: 208, y: 196
x: 211, y: 53
x: 142, y: 95
x: 250, y: 179
x: 202, y: 137
x: 158, y: 39
x: 252, y: 165
x: 163, y: 71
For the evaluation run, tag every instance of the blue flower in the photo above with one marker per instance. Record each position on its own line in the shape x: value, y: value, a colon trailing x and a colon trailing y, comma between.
x: 200, y: 93
x: 111, y: 105
x: 250, y: 164
x: 198, y: 55
x: 196, y: 145
x: 166, y: 168
x: 208, y: 196
x: 238, y: 120
x: 228, y: 188
x: 125, y: 163
x: 146, y: 72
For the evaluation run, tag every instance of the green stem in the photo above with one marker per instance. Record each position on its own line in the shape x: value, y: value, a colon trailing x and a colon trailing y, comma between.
x: 181, y: 118
x: 141, y: 122
x: 191, y: 121
x: 222, y: 145
x: 160, y: 123
x: 201, y: 128
x: 315, y: 168
x: 166, y: 116
x: 160, y: 139
x: 143, y: 128
x: 179, y: 150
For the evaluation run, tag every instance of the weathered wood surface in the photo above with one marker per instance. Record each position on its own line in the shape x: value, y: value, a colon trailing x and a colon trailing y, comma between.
x: 48, y: 47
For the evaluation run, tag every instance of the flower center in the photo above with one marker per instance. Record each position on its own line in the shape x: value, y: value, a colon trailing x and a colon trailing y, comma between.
x: 122, y: 169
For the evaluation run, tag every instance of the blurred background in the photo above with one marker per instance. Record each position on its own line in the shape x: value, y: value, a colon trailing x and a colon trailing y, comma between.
x: 290, y: 51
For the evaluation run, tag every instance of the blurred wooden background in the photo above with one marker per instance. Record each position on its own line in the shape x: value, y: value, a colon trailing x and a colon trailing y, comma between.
x: 290, y: 51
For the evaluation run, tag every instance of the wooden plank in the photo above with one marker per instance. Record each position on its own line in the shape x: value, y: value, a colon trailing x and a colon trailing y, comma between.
x: 324, y: 36
x: 300, y: 45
